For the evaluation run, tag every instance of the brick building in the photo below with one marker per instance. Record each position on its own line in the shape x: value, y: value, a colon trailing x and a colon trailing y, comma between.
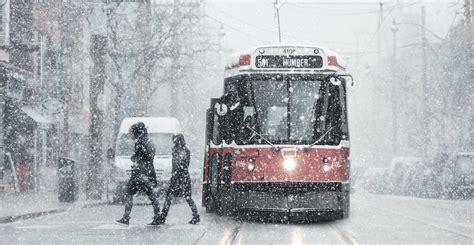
x: 42, y: 86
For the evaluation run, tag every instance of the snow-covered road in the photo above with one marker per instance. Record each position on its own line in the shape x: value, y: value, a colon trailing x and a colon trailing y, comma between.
x: 374, y: 219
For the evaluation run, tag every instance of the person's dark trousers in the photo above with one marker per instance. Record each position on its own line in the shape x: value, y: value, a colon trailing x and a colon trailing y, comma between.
x: 169, y: 197
x: 141, y: 185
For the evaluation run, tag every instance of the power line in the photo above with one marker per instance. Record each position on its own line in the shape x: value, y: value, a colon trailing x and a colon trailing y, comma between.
x: 237, y: 29
x: 379, y: 28
x: 381, y: 51
x: 333, y: 12
x: 324, y: 3
x: 227, y: 15
x: 296, y: 2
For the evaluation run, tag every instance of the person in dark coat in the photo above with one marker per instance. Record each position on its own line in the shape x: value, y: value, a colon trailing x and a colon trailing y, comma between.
x: 180, y: 182
x: 143, y: 176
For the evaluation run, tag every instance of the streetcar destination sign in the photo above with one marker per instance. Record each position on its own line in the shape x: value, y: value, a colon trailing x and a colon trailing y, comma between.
x: 288, y: 61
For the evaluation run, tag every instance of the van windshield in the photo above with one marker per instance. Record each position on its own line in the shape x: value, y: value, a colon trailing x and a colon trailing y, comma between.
x: 162, y: 141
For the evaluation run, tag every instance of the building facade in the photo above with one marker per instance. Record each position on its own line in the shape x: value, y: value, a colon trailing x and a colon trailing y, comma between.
x: 41, y: 89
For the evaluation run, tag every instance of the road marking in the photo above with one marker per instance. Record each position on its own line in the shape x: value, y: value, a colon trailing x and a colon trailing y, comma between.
x: 39, y: 227
x: 200, y: 237
x: 346, y: 235
x: 235, y: 233
x: 112, y: 227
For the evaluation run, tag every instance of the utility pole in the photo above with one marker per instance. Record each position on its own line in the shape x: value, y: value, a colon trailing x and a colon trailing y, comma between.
x: 394, y: 92
x: 96, y: 88
x: 144, y: 18
x: 425, y: 122
x: 471, y: 37
x: 379, y: 31
x: 469, y: 68
x: 175, y: 60
x: 277, y: 9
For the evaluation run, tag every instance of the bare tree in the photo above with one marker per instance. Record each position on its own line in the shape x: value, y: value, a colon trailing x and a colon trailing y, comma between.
x: 142, y: 45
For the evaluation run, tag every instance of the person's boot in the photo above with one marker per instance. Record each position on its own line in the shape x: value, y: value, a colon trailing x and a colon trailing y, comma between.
x: 123, y: 221
x: 157, y: 221
x: 195, y: 220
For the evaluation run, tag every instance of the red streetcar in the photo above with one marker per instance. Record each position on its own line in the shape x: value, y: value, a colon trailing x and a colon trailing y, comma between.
x: 277, y: 141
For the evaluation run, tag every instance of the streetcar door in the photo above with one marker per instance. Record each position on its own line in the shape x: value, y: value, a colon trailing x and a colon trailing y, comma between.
x: 213, y: 154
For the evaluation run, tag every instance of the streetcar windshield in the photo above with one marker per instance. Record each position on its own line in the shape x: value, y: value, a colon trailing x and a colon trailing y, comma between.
x: 287, y: 110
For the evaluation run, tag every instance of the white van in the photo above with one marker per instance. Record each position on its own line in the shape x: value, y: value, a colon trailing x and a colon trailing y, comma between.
x: 160, y: 131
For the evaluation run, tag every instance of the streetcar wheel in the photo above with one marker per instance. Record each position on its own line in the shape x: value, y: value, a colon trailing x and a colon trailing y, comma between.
x: 211, y: 206
x: 226, y: 204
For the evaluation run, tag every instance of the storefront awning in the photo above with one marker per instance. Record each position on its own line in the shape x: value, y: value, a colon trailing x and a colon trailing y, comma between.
x: 35, y: 115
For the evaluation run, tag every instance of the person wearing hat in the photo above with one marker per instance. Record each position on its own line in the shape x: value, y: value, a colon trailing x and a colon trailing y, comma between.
x: 143, y: 176
x: 180, y: 182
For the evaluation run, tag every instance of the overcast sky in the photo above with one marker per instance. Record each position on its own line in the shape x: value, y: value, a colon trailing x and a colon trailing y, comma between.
x: 346, y: 26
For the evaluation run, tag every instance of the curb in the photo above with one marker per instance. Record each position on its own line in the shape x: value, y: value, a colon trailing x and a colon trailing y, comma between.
x: 11, y: 219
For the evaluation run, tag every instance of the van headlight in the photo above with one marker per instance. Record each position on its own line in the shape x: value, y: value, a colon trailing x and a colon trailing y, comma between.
x: 289, y: 163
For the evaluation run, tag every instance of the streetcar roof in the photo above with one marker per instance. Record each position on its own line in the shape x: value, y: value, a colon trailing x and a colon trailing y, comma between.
x: 286, y: 59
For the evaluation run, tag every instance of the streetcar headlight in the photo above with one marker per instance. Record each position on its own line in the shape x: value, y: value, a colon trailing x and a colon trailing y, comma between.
x: 250, y: 166
x: 289, y: 163
x: 326, y: 167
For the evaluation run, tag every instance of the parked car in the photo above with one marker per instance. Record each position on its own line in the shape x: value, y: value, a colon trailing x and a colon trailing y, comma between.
x: 413, y: 183
x: 457, y: 179
x: 374, y: 180
x: 398, y: 173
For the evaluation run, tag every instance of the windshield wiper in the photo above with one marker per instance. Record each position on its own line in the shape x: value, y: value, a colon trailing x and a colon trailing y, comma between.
x: 321, y: 138
x: 276, y: 148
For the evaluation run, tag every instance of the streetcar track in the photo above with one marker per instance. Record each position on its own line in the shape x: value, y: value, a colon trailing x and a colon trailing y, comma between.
x: 422, y: 221
x: 200, y: 237
x: 346, y: 236
x: 233, y: 237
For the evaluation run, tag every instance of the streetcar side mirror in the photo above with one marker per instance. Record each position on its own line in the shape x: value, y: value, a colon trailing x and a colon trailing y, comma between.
x: 221, y: 107
x: 335, y: 81
x: 352, y: 81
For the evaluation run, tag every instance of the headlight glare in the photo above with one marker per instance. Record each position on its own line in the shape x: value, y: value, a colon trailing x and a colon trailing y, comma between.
x: 326, y: 167
x: 289, y: 163
x: 250, y: 167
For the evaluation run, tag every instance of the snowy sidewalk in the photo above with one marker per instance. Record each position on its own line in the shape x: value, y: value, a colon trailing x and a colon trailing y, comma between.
x: 15, y: 206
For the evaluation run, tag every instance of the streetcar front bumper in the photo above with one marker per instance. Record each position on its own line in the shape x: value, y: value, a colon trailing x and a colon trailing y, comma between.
x: 290, y: 200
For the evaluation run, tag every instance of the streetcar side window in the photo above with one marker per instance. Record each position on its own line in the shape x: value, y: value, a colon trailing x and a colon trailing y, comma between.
x: 335, y: 112
x: 321, y: 111
x: 216, y: 135
x: 344, y: 124
x: 331, y: 115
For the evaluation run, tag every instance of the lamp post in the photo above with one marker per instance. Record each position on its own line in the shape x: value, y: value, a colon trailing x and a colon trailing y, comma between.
x: 277, y: 9
x: 96, y: 87
x: 424, y: 80
x: 394, y: 30
x: 424, y: 77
